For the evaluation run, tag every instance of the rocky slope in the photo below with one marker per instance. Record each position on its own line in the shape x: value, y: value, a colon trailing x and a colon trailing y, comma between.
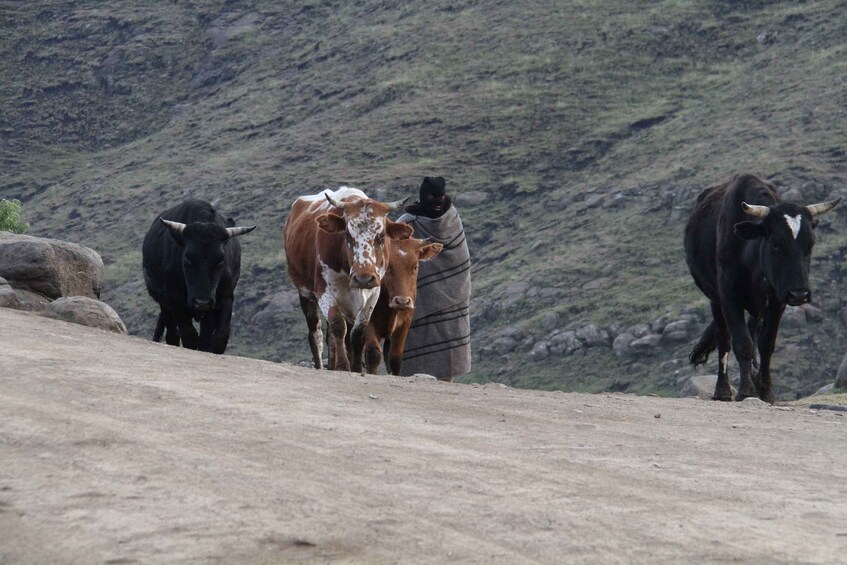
x: 575, y: 137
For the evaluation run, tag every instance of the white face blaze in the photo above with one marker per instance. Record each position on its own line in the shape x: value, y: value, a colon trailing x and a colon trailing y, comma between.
x: 794, y: 224
x: 364, y: 230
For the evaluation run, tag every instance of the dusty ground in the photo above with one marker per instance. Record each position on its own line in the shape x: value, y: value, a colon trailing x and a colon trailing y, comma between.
x: 116, y: 450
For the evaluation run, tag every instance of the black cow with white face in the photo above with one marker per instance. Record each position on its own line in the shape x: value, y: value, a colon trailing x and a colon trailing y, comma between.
x: 748, y: 251
x: 192, y: 260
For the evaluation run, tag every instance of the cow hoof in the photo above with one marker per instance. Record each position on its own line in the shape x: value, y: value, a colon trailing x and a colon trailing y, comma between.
x: 768, y: 397
x: 723, y: 397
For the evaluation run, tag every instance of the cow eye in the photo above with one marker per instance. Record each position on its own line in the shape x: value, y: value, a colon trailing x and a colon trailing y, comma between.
x: 188, y: 262
x: 775, y: 246
x: 219, y: 265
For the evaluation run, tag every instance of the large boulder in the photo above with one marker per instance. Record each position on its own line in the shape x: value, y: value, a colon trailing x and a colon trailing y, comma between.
x: 8, y: 298
x: 50, y: 267
x: 87, y: 312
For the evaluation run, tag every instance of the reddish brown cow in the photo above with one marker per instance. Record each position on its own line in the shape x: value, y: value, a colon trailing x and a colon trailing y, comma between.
x: 395, y: 308
x: 337, y: 263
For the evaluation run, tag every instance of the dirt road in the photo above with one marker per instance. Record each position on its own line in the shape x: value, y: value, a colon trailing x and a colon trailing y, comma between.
x: 117, y: 450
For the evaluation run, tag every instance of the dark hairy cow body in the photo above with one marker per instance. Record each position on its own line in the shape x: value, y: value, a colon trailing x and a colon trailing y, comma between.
x: 337, y: 247
x: 748, y: 251
x: 191, y: 261
x: 392, y: 317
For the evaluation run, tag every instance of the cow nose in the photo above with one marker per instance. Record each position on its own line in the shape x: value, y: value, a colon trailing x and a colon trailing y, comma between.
x: 365, y: 281
x: 797, y: 297
x: 402, y: 303
x: 203, y: 305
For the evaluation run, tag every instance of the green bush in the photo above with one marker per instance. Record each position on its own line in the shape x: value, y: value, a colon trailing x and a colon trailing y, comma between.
x: 10, y: 217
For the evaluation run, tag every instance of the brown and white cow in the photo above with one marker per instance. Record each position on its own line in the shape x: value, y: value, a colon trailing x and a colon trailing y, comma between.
x: 392, y: 317
x: 337, y: 245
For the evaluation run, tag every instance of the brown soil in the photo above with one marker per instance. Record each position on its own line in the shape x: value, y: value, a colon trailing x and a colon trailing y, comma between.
x: 117, y: 450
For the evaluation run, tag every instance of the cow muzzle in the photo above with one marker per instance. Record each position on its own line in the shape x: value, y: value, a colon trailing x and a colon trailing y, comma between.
x: 364, y: 280
x: 402, y: 303
x: 798, y: 297
x: 203, y: 305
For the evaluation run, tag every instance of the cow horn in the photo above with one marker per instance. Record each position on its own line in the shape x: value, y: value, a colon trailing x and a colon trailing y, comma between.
x: 823, y: 207
x: 336, y: 203
x: 175, y: 227
x: 754, y: 210
x: 396, y: 204
x: 234, y: 232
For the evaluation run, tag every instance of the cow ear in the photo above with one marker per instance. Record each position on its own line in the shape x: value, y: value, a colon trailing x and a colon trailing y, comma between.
x: 331, y: 223
x: 429, y: 251
x: 398, y: 230
x: 750, y: 230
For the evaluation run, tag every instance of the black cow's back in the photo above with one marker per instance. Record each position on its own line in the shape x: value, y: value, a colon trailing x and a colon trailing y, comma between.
x: 709, y: 231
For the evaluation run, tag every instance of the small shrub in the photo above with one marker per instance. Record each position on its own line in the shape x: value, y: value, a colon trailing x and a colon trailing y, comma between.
x: 10, y: 217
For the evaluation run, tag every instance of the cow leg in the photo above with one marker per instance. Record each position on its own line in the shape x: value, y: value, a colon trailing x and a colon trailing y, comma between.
x: 187, y: 332
x: 767, y: 343
x: 754, y: 326
x: 309, y: 305
x: 207, y: 331
x: 160, y: 326
x: 372, y: 350
x: 337, y: 333
x: 171, y: 329
x: 396, y: 347
x: 742, y: 346
x: 223, y: 320
x: 357, y: 337
x: 723, y: 391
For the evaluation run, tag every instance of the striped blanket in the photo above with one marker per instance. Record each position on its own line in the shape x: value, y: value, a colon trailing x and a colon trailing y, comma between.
x: 440, y: 336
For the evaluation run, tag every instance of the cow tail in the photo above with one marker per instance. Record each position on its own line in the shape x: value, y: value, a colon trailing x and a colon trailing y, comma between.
x: 708, y: 343
x: 160, y: 328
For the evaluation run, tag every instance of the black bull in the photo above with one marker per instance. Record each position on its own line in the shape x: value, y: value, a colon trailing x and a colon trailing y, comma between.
x: 192, y: 260
x: 748, y: 251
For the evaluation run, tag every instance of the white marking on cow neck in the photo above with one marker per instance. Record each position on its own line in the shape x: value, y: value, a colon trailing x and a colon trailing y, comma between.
x: 794, y: 224
x: 349, y: 301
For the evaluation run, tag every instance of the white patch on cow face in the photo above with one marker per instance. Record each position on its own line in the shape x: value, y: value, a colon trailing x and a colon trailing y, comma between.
x: 364, y: 230
x: 794, y: 224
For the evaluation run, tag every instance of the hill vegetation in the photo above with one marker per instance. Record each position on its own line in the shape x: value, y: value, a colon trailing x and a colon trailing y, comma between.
x: 574, y: 134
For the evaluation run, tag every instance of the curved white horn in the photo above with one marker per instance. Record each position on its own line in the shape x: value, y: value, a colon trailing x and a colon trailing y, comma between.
x: 754, y: 210
x: 336, y: 203
x: 823, y: 207
x: 396, y: 204
x: 234, y: 232
x: 176, y: 227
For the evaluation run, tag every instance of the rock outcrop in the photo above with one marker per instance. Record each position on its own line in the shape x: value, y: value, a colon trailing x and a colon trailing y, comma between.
x: 59, y: 279
x: 50, y: 267
x: 87, y: 312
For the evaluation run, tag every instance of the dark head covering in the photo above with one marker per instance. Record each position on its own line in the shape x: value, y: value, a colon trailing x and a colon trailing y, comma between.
x: 431, y: 186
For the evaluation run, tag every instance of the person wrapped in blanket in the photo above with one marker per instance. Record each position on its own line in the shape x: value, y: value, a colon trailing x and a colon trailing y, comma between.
x: 439, y: 341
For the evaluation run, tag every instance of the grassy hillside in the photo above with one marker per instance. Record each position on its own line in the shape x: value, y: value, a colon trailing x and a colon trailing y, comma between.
x: 578, y: 133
